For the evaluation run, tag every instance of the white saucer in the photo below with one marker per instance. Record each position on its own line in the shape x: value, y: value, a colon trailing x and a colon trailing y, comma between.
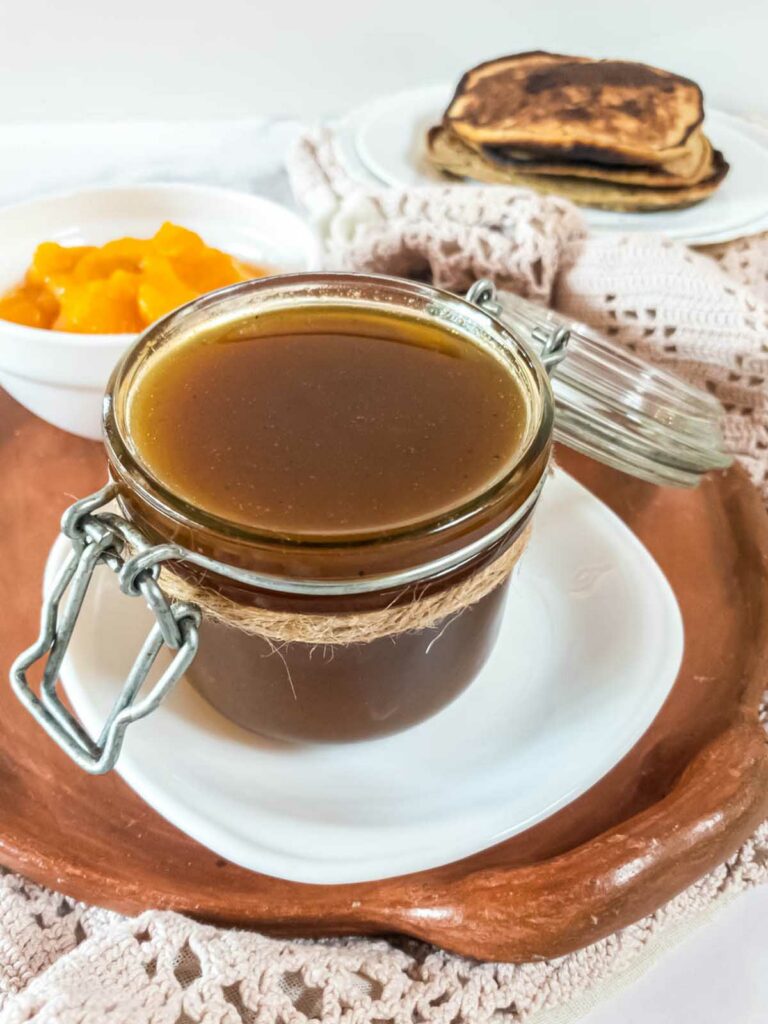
x: 388, y: 137
x: 591, y: 644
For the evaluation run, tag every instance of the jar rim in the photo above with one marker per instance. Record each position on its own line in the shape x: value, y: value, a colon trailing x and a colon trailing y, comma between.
x: 458, y: 316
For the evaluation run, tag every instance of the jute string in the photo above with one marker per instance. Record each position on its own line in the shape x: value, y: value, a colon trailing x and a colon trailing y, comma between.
x: 349, y: 628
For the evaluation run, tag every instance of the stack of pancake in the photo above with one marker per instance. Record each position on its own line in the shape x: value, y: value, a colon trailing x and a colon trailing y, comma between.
x: 606, y: 133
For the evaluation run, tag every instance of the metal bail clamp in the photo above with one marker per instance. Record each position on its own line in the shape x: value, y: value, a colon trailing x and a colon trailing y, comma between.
x: 104, y: 538
x: 551, y: 339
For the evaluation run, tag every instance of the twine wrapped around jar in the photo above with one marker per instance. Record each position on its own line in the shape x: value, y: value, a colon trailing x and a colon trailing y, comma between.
x: 354, y: 627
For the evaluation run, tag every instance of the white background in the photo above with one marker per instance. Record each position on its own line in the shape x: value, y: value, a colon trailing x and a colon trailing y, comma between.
x: 90, y: 59
x: 183, y: 59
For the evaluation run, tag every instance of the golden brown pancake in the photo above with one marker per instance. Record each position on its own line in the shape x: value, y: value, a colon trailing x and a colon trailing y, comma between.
x: 697, y: 164
x: 448, y: 152
x: 556, y: 107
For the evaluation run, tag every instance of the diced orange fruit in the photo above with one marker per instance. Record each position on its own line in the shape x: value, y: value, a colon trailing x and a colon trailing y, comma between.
x: 106, y: 306
x: 104, y: 262
x: 131, y: 249
x: 30, y: 306
x: 161, y: 290
x: 202, y: 268
x: 174, y: 240
x: 52, y: 260
x: 122, y: 286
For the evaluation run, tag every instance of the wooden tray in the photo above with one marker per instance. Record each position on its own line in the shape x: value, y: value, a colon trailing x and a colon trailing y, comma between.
x: 682, y: 800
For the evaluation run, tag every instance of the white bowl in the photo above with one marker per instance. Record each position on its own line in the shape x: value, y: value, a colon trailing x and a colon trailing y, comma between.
x: 61, y: 376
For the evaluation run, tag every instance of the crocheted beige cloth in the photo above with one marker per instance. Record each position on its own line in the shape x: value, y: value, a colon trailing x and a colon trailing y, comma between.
x: 704, y: 314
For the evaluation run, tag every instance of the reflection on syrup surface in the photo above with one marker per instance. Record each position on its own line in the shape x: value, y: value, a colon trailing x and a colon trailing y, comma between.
x: 328, y: 422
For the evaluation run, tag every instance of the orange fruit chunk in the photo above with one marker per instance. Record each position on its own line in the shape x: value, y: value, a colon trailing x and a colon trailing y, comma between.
x: 29, y: 305
x: 104, y: 306
x: 122, y: 254
x: 52, y: 260
x: 161, y: 289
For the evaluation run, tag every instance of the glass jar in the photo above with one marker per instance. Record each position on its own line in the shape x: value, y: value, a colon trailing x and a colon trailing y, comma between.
x: 347, y: 691
x: 307, y: 691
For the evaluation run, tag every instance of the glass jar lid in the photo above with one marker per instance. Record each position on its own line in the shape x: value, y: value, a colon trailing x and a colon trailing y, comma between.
x: 612, y: 405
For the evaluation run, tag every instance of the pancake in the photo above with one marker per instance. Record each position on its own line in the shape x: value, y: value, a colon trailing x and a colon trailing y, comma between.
x: 448, y: 153
x: 556, y: 107
x: 696, y: 165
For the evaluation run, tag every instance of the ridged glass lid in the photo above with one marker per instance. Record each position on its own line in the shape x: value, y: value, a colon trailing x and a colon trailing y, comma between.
x: 618, y: 408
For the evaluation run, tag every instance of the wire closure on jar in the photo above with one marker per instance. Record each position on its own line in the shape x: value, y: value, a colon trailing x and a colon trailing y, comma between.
x: 98, y: 539
x: 551, y: 341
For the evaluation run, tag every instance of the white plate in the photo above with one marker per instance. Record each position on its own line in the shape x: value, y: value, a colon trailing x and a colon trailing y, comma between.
x: 591, y: 644
x: 388, y: 136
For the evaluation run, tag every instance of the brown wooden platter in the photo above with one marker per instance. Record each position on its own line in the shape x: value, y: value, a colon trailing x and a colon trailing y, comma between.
x: 681, y: 801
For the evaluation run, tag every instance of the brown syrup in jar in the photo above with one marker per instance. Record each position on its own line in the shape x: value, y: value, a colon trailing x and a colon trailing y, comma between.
x: 328, y: 423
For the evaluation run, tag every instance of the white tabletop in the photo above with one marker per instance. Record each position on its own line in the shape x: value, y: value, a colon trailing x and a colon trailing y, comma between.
x: 716, y: 975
